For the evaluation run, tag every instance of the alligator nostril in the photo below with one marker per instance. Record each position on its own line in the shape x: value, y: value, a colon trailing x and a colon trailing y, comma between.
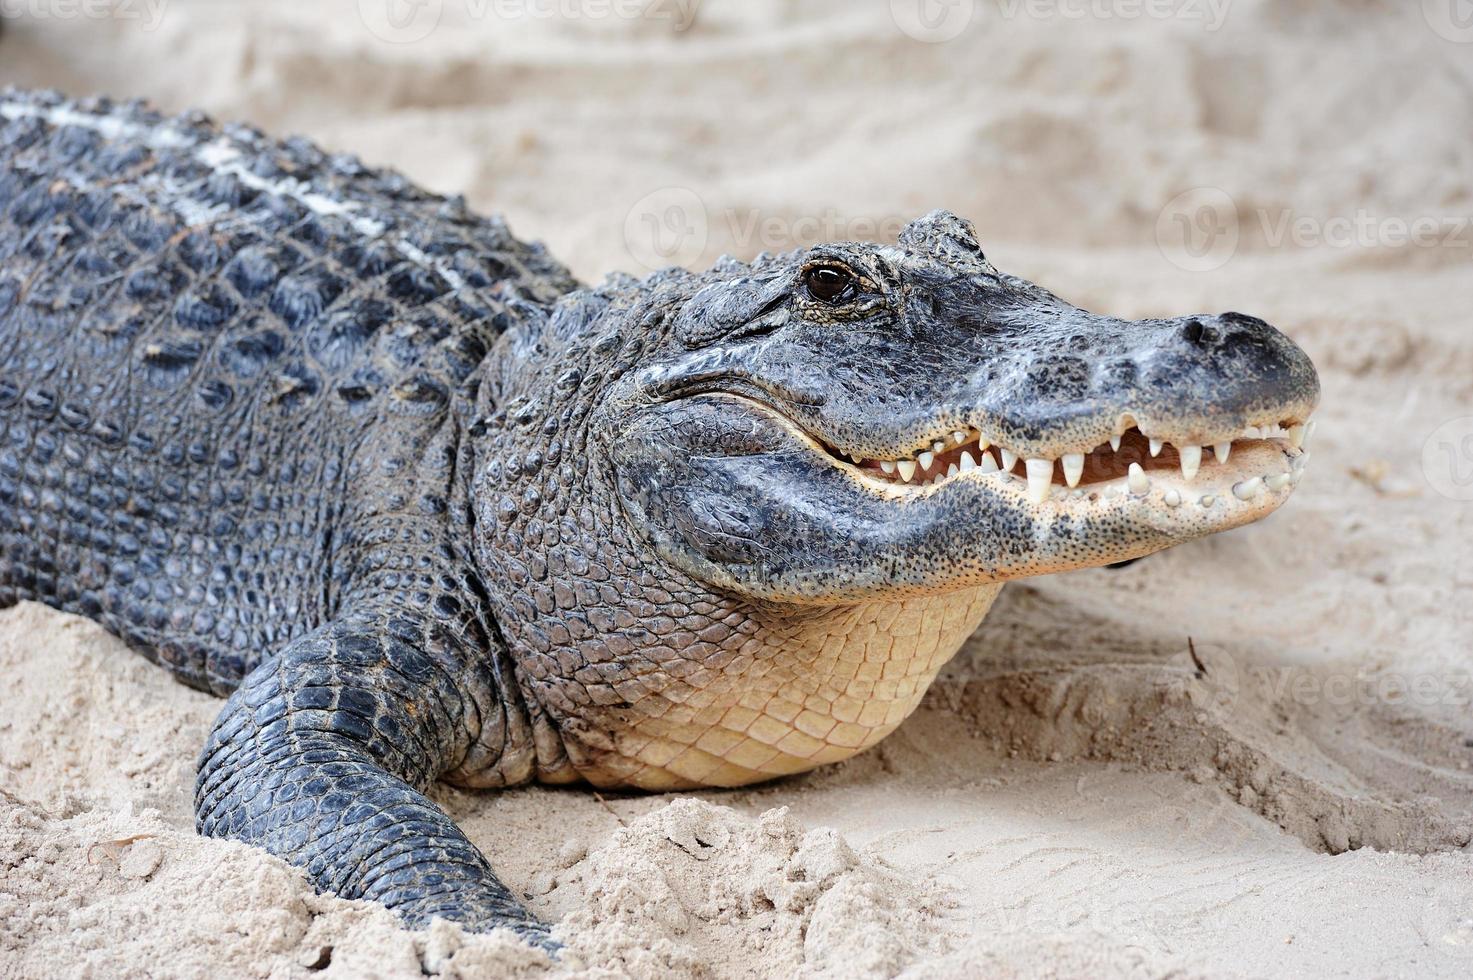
x: 1193, y: 331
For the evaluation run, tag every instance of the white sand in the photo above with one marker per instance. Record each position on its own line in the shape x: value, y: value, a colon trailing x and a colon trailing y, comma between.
x: 1072, y: 799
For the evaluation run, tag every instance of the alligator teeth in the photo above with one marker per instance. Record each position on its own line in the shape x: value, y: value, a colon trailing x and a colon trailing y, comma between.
x: 1073, y: 468
x: 1138, y: 481
x: 1040, y: 479
x: 1191, y: 462
x: 958, y: 452
x: 1248, y: 489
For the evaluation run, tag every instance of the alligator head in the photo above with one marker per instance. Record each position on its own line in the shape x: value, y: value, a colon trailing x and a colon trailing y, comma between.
x: 848, y: 442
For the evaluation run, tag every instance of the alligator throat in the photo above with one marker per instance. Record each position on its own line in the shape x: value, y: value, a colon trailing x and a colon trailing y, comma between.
x: 823, y: 687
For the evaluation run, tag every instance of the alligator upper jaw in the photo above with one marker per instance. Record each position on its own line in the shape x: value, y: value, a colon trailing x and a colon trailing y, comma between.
x: 1269, y: 457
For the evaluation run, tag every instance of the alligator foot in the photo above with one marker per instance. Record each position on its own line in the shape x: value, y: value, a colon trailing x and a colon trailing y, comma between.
x: 321, y: 757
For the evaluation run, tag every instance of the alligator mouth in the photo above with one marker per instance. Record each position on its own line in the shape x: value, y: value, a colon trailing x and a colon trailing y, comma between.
x: 1132, y: 464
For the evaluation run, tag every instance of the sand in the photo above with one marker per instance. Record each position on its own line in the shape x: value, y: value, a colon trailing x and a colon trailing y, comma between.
x: 1076, y: 796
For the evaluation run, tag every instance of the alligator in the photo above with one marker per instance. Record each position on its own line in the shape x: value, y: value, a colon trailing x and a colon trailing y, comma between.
x: 423, y: 507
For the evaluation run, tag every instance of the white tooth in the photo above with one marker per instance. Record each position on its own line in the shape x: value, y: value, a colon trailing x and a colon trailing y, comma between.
x: 887, y: 466
x: 1138, y: 481
x: 1223, y: 450
x: 1040, y: 478
x: 907, y: 469
x: 1173, y: 499
x: 1111, y: 492
x: 1115, y: 443
x: 1251, y: 432
x: 926, y: 459
x: 1309, y: 431
x: 1298, y: 463
x: 988, y: 464
x: 968, y: 463
x: 938, y: 446
x: 982, y: 444
x: 958, y: 437
x: 1191, y: 461
x: 1295, y: 477
x: 1208, y: 500
x: 952, y: 470
x: 1156, y: 445
x: 1073, y: 468
x: 1248, y: 489
x: 1278, y: 481
x: 1009, y: 460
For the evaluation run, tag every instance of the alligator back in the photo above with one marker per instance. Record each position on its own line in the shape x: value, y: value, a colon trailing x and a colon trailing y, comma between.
x: 200, y: 334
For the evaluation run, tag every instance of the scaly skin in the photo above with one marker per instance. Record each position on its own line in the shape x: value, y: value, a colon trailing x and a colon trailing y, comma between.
x: 425, y: 508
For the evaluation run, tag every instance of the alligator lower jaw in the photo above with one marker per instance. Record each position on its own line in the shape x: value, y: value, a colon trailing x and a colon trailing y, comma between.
x: 1260, y: 467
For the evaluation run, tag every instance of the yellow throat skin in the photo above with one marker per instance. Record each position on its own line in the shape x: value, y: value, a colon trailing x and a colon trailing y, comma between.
x: 821, y: 689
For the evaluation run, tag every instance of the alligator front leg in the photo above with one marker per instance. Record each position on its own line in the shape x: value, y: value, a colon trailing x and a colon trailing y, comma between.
x: 321, y: 757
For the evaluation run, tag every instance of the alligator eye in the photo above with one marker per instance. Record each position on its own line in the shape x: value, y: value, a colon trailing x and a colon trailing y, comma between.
x: 829, y: 284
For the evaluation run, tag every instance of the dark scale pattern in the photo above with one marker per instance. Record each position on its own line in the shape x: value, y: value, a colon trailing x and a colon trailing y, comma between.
x: 228, y: 428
